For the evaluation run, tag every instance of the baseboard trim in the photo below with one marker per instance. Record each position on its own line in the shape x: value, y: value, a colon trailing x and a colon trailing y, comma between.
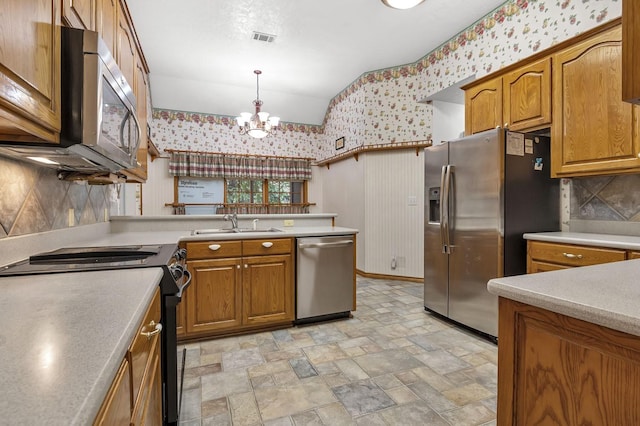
x: 389, y: 277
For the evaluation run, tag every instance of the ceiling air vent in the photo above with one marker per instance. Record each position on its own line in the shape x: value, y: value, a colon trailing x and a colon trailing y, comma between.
x: 258, y: 36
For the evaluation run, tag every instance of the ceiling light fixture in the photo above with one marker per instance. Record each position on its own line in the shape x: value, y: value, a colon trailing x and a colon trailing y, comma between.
x: 259, y: 124
x: 402, y: 4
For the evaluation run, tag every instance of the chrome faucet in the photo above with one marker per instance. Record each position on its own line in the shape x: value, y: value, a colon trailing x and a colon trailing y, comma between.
x: 233, y: 218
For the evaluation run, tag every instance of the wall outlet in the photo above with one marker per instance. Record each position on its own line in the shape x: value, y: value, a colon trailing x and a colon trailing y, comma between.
x: 72, y: 218
x: 288, y: 222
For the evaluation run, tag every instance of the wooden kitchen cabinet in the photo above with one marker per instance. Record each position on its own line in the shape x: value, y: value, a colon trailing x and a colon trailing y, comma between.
x: 107, y: 23
x: 527, y: 96
x: 30, y: 70
x: 519, y: 99
x: 594, y: 131
x: 135, y: 397
x: 79, y: 13
x: 631, y: 51
x: 483, y: 106
x: 554, y: 369
x: 633, y: 255
x: 546, y: 256
x: 238, y: 286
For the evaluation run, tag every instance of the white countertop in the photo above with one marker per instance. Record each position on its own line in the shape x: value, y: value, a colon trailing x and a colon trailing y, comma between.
x: 600, y: 240
x: 62, y: 339
x: 606, y: 294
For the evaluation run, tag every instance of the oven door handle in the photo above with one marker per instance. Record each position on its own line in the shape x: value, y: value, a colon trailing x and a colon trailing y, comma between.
x: 186, y: 283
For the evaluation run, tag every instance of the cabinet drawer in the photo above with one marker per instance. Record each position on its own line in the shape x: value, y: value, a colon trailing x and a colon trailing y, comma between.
x: 573, y: 255
x: 142, y: 346
x: 214, y: 249
x: 266, y: 246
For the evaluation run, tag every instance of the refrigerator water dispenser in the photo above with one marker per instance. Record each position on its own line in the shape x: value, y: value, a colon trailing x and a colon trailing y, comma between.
x: 434, y: 204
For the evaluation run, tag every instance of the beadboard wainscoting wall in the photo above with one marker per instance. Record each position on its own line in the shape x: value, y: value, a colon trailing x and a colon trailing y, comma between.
x: 32, y: 200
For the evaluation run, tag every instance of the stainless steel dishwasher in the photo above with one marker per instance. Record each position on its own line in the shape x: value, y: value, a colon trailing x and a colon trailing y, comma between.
x: 325, y: 278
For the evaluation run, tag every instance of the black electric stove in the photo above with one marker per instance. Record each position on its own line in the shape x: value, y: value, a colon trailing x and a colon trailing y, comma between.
x: 175, y: 280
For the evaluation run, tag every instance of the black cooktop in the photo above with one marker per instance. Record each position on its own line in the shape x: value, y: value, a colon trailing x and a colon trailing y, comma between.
x: 74, y: 259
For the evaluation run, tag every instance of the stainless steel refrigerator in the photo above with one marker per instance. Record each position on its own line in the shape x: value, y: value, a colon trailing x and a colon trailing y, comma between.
x: 482, y: 192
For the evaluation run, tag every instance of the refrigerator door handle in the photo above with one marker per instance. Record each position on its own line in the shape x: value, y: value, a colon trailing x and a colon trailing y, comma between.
x: 445, y: 183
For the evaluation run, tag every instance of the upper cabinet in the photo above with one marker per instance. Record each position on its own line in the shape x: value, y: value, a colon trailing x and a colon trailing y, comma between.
x: 631, y: 51
x: 30, y: 70
x: 79, y: 13
x: 483, y: 106
x: 107, y: 22
x: 518, y: 100
x: 527, y: 96
x: 594, y: 132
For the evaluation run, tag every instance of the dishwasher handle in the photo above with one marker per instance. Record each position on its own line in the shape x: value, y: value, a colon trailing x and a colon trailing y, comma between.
x: 343, y: 243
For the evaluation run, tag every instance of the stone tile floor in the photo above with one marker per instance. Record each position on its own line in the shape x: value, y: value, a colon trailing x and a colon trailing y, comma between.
x: 391, y: 364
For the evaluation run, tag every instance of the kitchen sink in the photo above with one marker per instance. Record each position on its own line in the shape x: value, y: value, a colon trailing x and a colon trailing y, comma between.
x: 214, y: 231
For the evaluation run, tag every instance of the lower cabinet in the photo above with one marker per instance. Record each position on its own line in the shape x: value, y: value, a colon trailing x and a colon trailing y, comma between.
x: 554, y: 369
x: 135, y: 396
x: 238, y: 286
x: 546, y: 256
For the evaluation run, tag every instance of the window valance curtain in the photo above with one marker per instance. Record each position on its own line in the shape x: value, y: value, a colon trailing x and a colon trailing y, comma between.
x: 197, y: 164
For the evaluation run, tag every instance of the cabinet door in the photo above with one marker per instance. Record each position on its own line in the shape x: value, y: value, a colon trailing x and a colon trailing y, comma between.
x: 527, y: 96
x: 116, y: 409
x: 634, y: 255
x: 79, y: 13
x: 30, y: 70
x: 535, y: 266
x: 147, y: 409
x: 107, y: 23
x: 126, y: 50
x: 214, y: 298
x: 483, y: 107
x: 631, y: 51
x: 268, y: 289
x: 594, y: 131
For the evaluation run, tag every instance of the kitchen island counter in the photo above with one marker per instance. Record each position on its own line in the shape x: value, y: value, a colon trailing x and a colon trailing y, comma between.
x: 63, y: 339
x: 605, y: 295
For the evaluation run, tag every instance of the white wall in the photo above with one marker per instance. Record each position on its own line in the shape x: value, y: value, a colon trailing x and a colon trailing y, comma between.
x: 158, y: 190
x: 394, y: 213
x: 448, y: 121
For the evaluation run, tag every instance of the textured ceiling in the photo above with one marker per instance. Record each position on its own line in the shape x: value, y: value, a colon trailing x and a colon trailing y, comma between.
x: 201, y: 53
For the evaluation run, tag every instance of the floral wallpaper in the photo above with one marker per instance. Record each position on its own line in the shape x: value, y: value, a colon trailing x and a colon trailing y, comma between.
x: 382, y: 106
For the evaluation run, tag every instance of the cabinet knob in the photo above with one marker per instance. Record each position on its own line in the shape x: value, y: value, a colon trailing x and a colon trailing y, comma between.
x: 267, y: 244
x: 214, y: 247
x: 246, y: 266
x: 238, y: 266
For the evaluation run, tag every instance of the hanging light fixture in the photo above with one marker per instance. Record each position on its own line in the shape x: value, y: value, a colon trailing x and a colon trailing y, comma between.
x: 402, y: 4
x: 259, y: 124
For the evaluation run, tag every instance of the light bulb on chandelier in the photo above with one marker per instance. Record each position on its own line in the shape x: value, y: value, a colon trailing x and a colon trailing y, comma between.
x: 259, y: 124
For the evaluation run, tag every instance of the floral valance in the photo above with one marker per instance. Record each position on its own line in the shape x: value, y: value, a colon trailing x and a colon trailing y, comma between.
x: 198, y: 164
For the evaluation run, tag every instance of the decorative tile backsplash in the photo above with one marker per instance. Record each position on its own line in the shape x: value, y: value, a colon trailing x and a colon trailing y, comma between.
x: 613, y: 198
x: 34, y: 200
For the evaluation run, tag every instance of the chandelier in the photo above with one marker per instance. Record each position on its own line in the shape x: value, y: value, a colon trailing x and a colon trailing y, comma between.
x: 402, y: 4
x: 259, y: 124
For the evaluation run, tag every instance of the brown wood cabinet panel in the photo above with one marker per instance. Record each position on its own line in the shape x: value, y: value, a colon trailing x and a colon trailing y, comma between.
x: 483, y: 107
x: 30, y: 70
x: 634, y: 255
x: 594, y: 131
x: 142, y: 346
x: 631, y: 51
x: 214, y: 249
x: 148, y: 406
x: 268, y: 289
x: 107, y: 23
x: 527, y: 96
x: 560, y: 370
x: 546, y: 255
x: 126, y: 50
x: 214, y: 298
x: 116, y: 409
x: 266, y: 247
x: 79, y: 13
